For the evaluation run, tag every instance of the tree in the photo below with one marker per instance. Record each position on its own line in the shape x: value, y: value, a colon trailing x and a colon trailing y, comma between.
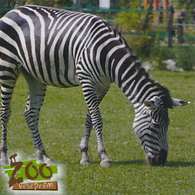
x: 136, y: 23
x: 51, y: 3
x: 6, y: 4
x: 189, y: 5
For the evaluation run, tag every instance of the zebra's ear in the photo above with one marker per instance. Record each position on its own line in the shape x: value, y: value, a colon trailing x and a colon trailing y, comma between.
x: 177, y: 102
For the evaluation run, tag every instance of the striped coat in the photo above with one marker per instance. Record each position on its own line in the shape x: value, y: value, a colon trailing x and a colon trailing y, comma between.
x: 66, y: 49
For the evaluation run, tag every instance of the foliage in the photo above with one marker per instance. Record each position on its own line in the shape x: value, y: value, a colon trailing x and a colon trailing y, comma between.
x: 185, y: 57
x: 51, y: 3
x: 134, y: 22
x: 90, y: 2
x: 159, y: 54
x: 61, y: 127
x: 187, y: 4
x: 8, y: 3
x: 142, y: 45
x: 121, y: 3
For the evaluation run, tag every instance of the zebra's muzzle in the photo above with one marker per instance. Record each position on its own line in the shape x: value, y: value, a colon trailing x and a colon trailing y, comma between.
x: 158, y: 160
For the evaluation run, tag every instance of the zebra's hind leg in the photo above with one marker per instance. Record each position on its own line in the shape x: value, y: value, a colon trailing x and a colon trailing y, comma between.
x: 85, y: 140
x: 37, y: 93
x: 9, y: 73
x: 6, y: 95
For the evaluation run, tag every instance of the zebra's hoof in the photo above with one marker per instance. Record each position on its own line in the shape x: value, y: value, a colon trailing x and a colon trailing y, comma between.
x: 48, y: 160
x: 85, y: 162
x: 105, y: 163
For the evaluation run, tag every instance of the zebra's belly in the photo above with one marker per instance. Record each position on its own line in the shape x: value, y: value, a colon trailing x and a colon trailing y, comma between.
x: 58, y: 76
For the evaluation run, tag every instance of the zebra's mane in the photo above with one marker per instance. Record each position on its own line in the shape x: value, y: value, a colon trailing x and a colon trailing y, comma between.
x: 163, y: 91
x: 118, y: 32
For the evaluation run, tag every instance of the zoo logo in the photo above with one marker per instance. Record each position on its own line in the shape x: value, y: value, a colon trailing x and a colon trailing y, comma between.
x: 30, y: 170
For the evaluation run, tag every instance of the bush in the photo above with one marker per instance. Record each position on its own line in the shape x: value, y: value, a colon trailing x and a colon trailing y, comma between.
x: 133, y: 23
x: 140, y: 44
x: 185, y: 57
x: 160, y: 53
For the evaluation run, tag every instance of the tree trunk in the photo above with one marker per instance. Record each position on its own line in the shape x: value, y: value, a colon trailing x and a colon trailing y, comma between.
x: 144, y: 27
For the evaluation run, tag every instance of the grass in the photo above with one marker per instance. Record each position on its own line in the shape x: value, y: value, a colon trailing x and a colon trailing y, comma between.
x: 61, y: 127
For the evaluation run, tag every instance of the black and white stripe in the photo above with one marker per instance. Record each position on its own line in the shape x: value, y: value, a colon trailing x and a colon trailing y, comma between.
x: 66, y: 49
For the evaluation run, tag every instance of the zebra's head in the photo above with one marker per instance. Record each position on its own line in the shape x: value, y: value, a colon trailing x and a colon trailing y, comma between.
x: 151, y: 125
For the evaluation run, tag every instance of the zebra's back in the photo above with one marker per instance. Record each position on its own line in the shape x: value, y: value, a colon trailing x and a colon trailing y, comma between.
x: 49, y: 42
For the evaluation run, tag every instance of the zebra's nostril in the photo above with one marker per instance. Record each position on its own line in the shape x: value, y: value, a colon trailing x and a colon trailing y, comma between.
x: 159, y: 160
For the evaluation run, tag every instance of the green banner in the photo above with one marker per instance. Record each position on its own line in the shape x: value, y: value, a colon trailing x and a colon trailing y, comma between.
x: 5, y: 9
x: 98, y: 9
x: 161, y: 34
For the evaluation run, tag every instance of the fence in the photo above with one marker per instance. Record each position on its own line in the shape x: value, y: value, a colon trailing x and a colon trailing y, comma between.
x: 94, y: 9
x: 172, y: 29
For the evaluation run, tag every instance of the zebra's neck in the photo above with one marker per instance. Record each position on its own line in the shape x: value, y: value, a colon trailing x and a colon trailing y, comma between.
x: 135, y: 82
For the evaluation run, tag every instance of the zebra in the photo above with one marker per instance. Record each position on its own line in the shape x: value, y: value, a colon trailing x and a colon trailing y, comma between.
x: 61, y: 48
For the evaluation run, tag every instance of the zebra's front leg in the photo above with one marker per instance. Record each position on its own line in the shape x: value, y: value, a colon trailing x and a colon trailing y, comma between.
x: 94, y: 119
x: 85, y: 160
x: 98, y: 126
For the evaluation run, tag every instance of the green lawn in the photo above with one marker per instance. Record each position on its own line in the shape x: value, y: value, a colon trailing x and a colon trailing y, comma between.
x: 61, y: 127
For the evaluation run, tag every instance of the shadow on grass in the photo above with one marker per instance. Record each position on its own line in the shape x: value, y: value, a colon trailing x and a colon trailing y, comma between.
x: 179, y: 164
x: 135, y: 162
x: 144, y: 162
x: 168, y: 163
x: 178, y: 75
